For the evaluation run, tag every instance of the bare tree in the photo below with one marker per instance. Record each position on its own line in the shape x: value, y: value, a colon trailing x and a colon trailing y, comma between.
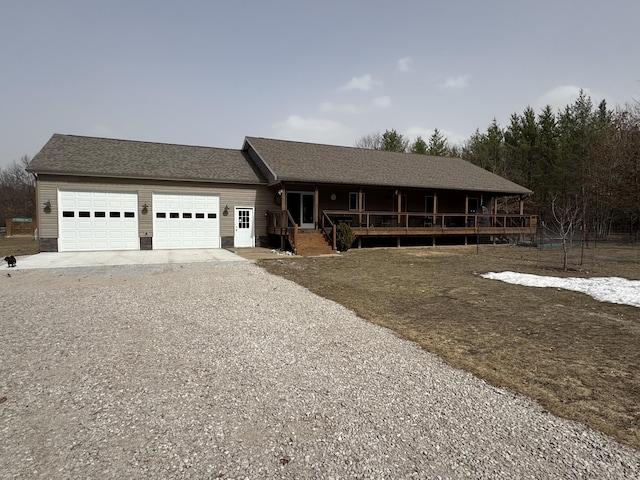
x: 566, y: 217
x: 372, y: 141
x: 17, y: 191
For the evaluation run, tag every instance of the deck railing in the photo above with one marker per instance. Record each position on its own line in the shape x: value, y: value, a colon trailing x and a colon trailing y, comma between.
x: 280, y: 222
x: 380, y: 223
x: 328, y: 227
x: 384, y: 223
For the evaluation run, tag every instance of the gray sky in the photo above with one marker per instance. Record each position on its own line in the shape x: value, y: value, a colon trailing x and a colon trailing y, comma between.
x: 212, y: 72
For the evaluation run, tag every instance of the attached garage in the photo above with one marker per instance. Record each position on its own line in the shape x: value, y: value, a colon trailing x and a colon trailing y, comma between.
x: 93, y: 220
x: 186, y: 221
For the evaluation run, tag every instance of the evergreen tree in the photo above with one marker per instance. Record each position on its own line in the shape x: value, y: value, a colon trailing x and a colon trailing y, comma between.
x: 419, y: 146
x: 392, y: 141
x: 437, y: 144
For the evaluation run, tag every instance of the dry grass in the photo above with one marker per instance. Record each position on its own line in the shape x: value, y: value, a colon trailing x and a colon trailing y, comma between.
x: 578, y: 357
x: 18, y: 245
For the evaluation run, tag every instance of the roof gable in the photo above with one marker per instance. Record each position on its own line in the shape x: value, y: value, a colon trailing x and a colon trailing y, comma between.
x: 104, y: 157
x: 316, y: 163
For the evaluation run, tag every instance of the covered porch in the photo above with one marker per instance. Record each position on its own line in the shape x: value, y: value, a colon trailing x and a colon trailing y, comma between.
x: 396, y: 213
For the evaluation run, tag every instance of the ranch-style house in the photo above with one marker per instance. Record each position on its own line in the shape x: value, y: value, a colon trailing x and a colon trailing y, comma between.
x: 108, y: 194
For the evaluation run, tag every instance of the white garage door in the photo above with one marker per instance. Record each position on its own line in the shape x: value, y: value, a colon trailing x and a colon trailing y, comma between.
x: 97, y: 221
x: 185, y: 221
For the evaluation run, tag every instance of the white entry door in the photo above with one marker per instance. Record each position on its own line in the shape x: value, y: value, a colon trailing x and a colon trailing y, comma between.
x: 243, y: 236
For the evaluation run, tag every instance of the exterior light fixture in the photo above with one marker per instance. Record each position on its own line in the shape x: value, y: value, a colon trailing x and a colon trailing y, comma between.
x: 47, y: 206
x: 145, y: 209
x: 225, y: 212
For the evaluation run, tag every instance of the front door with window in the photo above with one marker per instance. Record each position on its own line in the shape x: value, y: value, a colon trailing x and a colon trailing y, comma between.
x: 243, y: 235
x: 301, y: 205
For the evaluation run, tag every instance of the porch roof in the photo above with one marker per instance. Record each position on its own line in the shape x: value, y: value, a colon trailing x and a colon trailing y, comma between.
x: 287, y: 161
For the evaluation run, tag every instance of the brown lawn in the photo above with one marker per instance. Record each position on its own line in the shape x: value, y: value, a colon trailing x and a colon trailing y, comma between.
x: 18, y: 245
x: 578, y: 357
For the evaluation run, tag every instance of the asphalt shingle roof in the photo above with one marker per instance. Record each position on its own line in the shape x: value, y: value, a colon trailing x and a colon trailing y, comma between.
x: 285, y: 161
x: 104, y: 157
x: 316, y: 163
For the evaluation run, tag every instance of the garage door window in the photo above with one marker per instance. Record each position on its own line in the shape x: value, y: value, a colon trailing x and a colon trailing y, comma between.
x: 68, y: 214
x: 99, y: 214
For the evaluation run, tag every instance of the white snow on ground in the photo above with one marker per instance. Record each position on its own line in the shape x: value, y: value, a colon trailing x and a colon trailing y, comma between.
x: 604, y: 289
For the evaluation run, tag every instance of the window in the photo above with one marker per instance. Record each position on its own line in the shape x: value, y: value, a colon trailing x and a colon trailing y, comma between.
x: 161, y: 215
x: 199, y: 215
x: 129, y: 215
x: 212, y: 215
x: 84, y: 214
x: 114, y: 214
x: 428, y: 204
x: 99, y: 214
x: 353, y: 200
x: 174, y: 215
x: 473, y: 205
x: 68, y: 214
x: 186, y: 215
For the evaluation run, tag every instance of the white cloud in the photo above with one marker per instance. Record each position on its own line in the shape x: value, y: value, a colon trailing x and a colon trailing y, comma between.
x: 381, y: 102
x: 560, y: 97
x: 328, y: 107
x: 316, y: 130
x: 461, y: 81
x: 364, y: 83
x: 404, y: 64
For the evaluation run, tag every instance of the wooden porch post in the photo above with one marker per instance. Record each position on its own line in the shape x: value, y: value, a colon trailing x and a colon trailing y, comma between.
x: 360, y: 202
x: 283, y: 199
x: 435, y: 212
x: 316, y: 207
x: 521, y: 205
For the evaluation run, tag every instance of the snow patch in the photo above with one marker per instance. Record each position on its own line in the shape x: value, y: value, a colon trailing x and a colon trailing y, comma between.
x: 604, y: 289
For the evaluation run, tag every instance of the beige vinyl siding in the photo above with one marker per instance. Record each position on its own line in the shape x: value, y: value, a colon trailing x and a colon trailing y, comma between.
x: 257, y: 196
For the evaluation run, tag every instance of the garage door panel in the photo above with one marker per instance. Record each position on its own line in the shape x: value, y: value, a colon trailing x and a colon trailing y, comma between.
x: 181, y: 221
x: 92, y: 220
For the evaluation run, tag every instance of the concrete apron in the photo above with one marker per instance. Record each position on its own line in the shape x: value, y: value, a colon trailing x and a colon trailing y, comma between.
x: 125, y: 257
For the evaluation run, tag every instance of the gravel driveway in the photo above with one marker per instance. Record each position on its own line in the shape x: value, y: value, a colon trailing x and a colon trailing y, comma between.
x: 224, y: 371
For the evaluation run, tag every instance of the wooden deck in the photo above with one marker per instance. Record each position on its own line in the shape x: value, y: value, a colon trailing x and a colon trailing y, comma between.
x: 407, y: 224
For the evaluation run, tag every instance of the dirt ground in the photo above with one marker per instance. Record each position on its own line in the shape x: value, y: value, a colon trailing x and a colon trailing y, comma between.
x: 578, y: 357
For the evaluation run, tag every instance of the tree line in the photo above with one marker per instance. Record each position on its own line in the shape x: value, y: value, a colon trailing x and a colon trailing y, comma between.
x: 584, y: 158
x: 17, y: 191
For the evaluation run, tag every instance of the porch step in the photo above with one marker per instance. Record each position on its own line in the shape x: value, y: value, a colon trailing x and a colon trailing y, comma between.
x: 312, y: 242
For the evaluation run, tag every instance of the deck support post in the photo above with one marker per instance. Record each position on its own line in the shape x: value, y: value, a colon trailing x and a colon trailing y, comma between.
x: 359, y: 242
x: 316, y: 208
x: 398, y: 242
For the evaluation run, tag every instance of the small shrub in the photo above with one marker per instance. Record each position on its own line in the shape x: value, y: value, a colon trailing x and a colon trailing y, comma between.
x: 344, y: 237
